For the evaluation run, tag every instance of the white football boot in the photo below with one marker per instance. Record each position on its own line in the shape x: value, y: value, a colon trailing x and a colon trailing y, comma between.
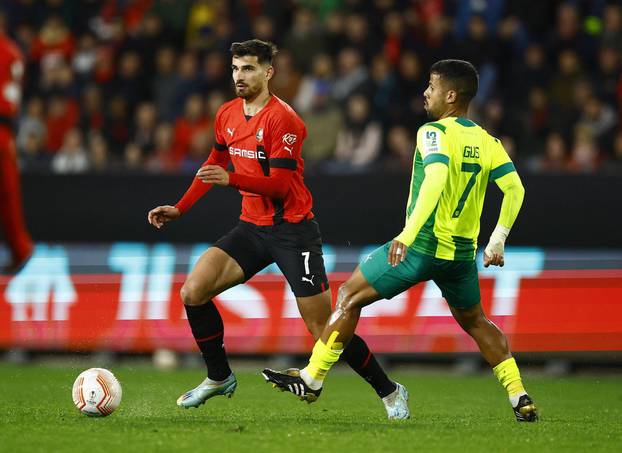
x: 207, y: 389
x: 396, y: 403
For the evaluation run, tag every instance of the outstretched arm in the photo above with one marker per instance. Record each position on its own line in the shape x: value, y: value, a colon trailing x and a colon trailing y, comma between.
x: 513, y: 195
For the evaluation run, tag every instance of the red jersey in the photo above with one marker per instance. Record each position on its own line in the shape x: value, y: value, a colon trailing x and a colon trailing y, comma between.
x: 11, y: 74
x: 266, y: 152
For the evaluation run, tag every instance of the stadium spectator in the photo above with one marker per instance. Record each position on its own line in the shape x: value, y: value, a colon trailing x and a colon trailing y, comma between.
x: 164, y: 83
x: 188, y: 126
x: 148, y: 39
x: 395, y: 39
x: 352, y: 74
x: 382, y: 85
x: 174, y: 17
x: 85, y: 58
x: 305, y: 39
x: 92, y: 110
x: 216, y: 74
x: 568, y: 34
x: 161, y: 159
x: 480, y: 48
x: 203, y: 19
x: 72, y: 157
x: 400, y: 148
x: 53, y: 44
x: 321, y: 115
x: 356, y: 36
x: 600, y: 119
x: 32, y: 156
x: 612, y: 27
x: 263, y: 28
x: 130, y: 83
x: 316, y: 85
x: 537, y: 120
x: 527, y: 73
x: 62, y: 115
x: 93, y: 63
x: 607, y: 76
x: 98, y: 153
x: 286, y: 80
x: 198, y: 152
x: 411, y: 82
x: 334, y: 37
x: 584, y: 156
x: 116, y: 124
x: 360, y: 140
x: 133, y: 158
x: 32, y: 127
x: 186, y: 83
x: 144, y: 127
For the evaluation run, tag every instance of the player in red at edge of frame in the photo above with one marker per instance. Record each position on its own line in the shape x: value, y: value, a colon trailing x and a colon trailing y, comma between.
x: 11, y: 215
x: 262, y: 136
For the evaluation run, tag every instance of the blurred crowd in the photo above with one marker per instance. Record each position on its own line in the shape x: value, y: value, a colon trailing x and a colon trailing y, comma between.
x: 119, y: 85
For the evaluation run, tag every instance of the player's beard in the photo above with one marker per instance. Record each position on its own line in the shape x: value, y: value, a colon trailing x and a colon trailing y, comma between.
x: 429, y: 112
x: 246, y: 91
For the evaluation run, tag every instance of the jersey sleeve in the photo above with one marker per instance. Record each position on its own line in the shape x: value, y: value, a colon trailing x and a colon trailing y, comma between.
x: 218, y: 156
x: 503, y: 173
x: 432, y: 144
x: 219, y: 139
x: 286, y: 142
x: 501, y: 164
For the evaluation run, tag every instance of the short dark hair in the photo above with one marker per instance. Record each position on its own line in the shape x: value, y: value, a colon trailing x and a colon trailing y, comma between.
x: 460, y: 75
x: 263, y: 50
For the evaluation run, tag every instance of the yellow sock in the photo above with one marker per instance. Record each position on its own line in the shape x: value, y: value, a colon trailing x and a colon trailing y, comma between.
x: 508, y: 375
x: 323, y: 357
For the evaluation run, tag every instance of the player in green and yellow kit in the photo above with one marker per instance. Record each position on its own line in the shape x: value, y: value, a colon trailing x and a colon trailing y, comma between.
x: 454, y: 161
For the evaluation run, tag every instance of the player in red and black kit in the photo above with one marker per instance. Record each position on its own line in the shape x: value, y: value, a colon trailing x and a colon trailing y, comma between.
x: 262, y: 136
x: 11, y: 215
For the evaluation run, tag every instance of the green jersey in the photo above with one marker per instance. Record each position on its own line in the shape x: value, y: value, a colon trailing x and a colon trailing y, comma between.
x: 474, y: 158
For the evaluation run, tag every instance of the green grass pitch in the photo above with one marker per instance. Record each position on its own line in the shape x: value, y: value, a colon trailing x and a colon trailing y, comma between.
x: 451, y: 413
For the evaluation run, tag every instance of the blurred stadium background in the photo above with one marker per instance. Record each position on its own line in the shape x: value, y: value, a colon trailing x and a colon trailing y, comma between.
x: 117, y: 115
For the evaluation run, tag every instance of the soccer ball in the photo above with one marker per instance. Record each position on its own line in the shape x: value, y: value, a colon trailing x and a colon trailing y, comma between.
x: 96, y: 392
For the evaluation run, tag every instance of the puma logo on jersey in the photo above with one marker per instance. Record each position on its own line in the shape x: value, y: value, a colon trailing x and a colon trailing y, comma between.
x: 309, y: 280
x: 288, y: 149
x: 230, y: 131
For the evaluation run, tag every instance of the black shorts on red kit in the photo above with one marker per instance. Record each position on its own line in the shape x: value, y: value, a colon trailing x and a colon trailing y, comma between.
x: 296, y: 248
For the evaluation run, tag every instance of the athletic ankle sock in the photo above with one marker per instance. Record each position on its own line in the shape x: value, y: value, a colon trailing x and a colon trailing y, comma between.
x: 324, y: 356
x: 508, y: 375
x: 361, y: 360
x: 208, y: 331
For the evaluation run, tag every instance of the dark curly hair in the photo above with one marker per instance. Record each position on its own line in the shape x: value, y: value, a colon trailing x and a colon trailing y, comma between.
x: 263, y: 50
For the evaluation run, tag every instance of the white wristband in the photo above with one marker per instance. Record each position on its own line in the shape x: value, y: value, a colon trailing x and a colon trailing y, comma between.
x: 496, y: 244
x: 500, y: 233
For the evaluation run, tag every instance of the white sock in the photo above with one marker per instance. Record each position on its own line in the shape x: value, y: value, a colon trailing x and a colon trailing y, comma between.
x: 514, y: 399
x: 314, y: 384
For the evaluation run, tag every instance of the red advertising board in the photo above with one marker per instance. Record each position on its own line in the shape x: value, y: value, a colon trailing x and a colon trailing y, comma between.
x: 555, y: 310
